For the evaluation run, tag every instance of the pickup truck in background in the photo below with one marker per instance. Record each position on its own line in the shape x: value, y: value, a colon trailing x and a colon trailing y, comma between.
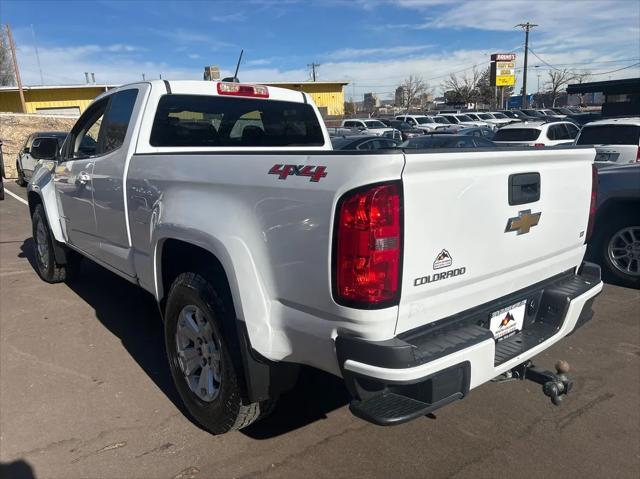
x: 415, y: 276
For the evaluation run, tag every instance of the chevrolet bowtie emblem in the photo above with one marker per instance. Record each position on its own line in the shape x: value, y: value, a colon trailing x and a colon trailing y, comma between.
x: 523, y: 222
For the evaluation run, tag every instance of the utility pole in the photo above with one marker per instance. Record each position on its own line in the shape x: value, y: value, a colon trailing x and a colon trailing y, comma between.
x: 527, y: 28
x: 16, y: 70
x: 313, y: 67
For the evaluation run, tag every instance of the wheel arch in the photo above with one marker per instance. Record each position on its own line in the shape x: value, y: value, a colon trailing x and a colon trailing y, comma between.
x: 174, y: 254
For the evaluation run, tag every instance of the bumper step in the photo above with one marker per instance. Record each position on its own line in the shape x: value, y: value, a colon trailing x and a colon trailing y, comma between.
x: 388, y: 408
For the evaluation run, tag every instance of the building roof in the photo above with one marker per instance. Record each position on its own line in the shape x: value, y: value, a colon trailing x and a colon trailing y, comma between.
x: 57, y: 87
x: 608, y: 87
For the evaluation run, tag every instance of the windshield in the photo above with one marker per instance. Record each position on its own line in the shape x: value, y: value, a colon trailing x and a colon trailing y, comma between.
x: 509, y: 114
x: 484, y: 116
x: 375, y: 124
x: 610, y: 135
x: 499, y: 115
x: 464, y: 118
x: 442, y: 120
x: 423, y: 120
x: 517, y: 134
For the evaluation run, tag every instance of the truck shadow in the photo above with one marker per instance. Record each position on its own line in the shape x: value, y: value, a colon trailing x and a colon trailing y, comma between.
x: 131, y: 314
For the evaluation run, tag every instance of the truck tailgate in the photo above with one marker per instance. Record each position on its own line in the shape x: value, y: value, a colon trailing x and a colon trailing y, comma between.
x: 465, y: 245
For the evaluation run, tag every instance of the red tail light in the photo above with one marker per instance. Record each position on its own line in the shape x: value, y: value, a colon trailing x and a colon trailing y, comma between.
x: 368, y: 247
x: 539, y: 145
x: 238, y: 89
x: 594, y: 198
x: 638, y: 155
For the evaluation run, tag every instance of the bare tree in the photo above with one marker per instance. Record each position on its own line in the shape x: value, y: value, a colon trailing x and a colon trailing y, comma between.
x: 464, y: 88
x: 414, y: 87
x: 581, y: 77
x: 7, y: 78
x: 557, y: 80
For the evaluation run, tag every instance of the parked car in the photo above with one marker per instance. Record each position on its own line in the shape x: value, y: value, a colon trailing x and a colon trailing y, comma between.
x: 363, y: 143
x: 615, y: 244
x: 25, y: 162
x: 265, y: 250
x: 424, y: 122
x: 537, y: 134
x: 406, y: 130
x: 490, y: 118
x: 616, y: 140
x: 461, y: 119
x: 371, y: 126
x: 498, y: 115
x: 447, y: 141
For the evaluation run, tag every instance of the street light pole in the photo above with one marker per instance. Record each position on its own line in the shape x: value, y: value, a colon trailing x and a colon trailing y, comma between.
x: 527, y: 28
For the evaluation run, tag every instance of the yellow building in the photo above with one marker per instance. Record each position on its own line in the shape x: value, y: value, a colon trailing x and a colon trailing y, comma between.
x: 74, y: 99
x: 327, y: 95
x: 58, y: 99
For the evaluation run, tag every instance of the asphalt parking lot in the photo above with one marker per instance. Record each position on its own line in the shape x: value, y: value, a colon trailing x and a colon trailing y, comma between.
x: 85, y: 392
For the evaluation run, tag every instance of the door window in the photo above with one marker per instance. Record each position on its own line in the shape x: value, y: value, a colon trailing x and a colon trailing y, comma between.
x: 117, y: 119
x: 85, y: 136
x: 572, y: 129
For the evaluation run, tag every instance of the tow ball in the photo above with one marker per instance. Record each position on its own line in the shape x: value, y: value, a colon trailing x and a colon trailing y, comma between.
x: 555, y: 386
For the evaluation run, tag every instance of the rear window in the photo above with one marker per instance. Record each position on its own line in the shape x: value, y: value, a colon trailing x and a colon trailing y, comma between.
x: 198, y: 120
x: 610, y: 135
x: 517, y: 134
x: 375, y: 124
x: 464, y: 118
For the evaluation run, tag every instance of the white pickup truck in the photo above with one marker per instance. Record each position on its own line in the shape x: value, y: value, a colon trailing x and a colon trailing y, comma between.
x: 415, y: 276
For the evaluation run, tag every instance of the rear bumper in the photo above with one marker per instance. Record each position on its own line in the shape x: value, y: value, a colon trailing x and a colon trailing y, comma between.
x: 419, y: 371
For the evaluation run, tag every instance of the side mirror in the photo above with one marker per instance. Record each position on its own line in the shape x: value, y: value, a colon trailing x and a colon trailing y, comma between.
x: 44, y: 149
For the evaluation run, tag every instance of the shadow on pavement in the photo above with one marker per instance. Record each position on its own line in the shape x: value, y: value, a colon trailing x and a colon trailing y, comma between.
x: 132, y: 315
x: 16, y: 470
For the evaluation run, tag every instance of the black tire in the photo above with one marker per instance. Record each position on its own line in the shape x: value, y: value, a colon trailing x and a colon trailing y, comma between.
x: 603, y: 237
x: 227, y: 411
x: 46, y: 265
x: 21, y: 181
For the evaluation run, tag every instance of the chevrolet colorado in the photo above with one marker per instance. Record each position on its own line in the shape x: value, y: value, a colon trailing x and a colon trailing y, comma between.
x: 415, y: 276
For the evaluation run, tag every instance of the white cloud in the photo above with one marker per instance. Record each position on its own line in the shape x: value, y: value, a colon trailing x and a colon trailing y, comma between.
x: 351, y: 53
x: 231, y: 17
x: 193, y: 56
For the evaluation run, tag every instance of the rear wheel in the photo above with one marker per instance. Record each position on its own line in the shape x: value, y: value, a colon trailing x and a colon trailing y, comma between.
x: 199, y: 358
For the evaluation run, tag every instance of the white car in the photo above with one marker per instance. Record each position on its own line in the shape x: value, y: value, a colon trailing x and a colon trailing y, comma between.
x: 423, y: 122
x: 491, y: 118
x: 536, y: 134
x: 463, y: 120
x: 616, y: 140
x: 374, y: 127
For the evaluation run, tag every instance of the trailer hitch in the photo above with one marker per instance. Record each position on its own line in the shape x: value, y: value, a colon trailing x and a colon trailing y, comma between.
x: 554, y: 385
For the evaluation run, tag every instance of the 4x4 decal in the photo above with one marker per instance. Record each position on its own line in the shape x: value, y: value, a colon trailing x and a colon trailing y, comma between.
x: 315, y: 173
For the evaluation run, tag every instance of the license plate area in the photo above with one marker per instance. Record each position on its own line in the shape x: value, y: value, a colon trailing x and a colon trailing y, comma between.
x: 508, y: 321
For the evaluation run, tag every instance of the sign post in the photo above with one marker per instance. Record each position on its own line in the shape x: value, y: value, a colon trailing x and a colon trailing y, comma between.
x: 503, y: 72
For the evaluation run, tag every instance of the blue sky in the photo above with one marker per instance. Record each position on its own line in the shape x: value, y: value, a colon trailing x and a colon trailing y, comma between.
x: 374, y: 44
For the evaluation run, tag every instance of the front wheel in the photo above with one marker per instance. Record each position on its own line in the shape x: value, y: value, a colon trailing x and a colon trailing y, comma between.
x: 46, y: 266
x: 619, y: 250
x: 199, y: 358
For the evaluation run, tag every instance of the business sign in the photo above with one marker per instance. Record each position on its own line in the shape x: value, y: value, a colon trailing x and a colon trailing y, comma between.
x: 503, y: 69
